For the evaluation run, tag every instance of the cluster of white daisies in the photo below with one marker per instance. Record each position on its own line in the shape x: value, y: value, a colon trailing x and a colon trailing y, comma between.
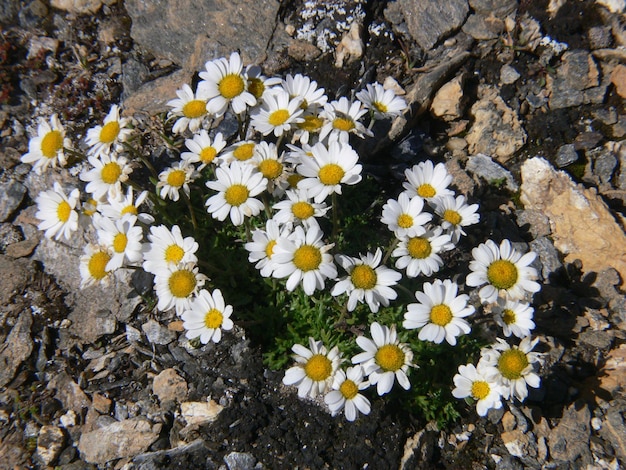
x: 288, y: 165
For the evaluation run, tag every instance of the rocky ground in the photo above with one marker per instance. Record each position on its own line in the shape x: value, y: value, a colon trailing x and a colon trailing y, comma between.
x: 523, y: 101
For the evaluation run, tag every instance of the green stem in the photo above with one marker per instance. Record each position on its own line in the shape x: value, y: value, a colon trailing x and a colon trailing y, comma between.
x: 143, y: 159
x: 392, y: 246
x: 335, y: 218
x: 194, y: 222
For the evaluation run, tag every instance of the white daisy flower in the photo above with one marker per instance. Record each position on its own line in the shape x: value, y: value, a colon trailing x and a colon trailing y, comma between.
x: 298, y: 209
x: 515, y: 318
x: 225, y: 84
x: 272, y: 167
x: 420, y: 254
x: 345, y: 394
x: 342, y: 119
x: 237, y: 184
x: 427, y: 180
x: 122, y: 238
x: 167, y: 247
x: 109, y: 136
x: 314, y: 370
x: 57, y: 213
x: 241, y: 151
x: 301, y: 86
x: 305, y: 259
x: 177, y: 285
x: 455, y: 215
x: 472, y: 383
x: 383, y: 103
x: 511, y: 366
x: 329, y: 169
x: 440, y: 312
x: 47, y: 147
x: 405, y: 216
x: 116, y: 208
x: 366, y: 281
x: 384, y: 359
x: 258, y: 84
x: 174, y: 179
x: 93, y: 265
x: 202, y: 149
x: 207, y: 316
x: 107, y: 175
x: 505, y: 271
x: 190, y: 108
x: 277, y: 115
x: 311, y: 125
x: 261, y: 248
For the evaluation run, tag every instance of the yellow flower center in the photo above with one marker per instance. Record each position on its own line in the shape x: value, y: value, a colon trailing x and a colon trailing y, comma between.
x: 405, y: 221
x: 236, y: 194
x: 51, y: 143
x: 294, y: 179
x: 331, y: 174
x: 256, y: 87
x: 278, y: 117
x: 63, y: 211
x: 111, y: 173
x: 231, y: 85
x: 343, y: 124
x: 380, y: 107
x: 97, y: 264
x: 419, y: 248
x: 109, y: 132
x: 389, y: 357
x: 119, y: 242
x: 174, y: 253
x: 244, y: 152
x: 271, y: 168
x: 304, y: 104
x: 302, y: 210
x: 502, y: 274
x: 311, y: 123
x: 440, y: 315
x: 480, y: 390
x: 194, y: 109
x: 452, y: 216
x: 213, y: 319
x: 176, y: 178
x: 182, y: 283
x: 348, y: 389
x: 318, y: 367
x: 269, y: 248
x: 508, y: 316
x: 207, y: 154
x: 511, y: 363
x: 426, y: 190
x: 363, y: 277
x: 307, y: 258
x: 130, y: 209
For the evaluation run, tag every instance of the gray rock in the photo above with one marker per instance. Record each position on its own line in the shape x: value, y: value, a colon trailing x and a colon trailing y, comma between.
x: 566, y: 155
x: 614, y: 428
x: 14, y: 274
x: 482, y: 28
x: 484, y: 167
x: 192, y: 455
x: 50, y: 443
x: 9, y: 10
x: 190, y: 32
x: 16, y: 348
x: 240, y: 461
x: 12, y: 195
x: 9, y: 234
x: 548, y: 255
x: 508, y: 74
x: 534, y: 221
x: 134, y: 74
x: 497, y: 8
x: 430, y: 22
x: 570, y: 438
x: 576, y: 82
x: 604, y: 164
x: 157, y: 333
